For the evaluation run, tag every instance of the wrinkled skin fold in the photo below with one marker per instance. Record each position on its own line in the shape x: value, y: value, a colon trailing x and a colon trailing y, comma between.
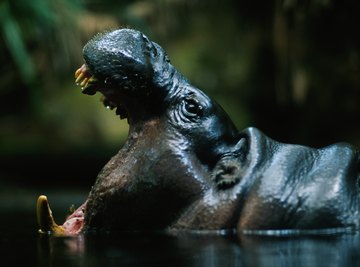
x: 185, y: 166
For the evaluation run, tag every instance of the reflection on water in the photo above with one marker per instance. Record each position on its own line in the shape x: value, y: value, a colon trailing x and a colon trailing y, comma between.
x: 20, y: 244
x: 199, y: 250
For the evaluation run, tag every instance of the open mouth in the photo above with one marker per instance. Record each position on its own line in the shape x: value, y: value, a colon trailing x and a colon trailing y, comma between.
x: 111, y: 99
x: 74, y: 223
x: 90, y: 85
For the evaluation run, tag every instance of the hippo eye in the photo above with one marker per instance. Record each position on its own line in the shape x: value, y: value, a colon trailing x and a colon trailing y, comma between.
x: 192, y: 107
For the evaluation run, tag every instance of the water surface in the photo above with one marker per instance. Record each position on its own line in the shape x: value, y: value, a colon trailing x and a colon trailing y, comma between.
x: 21, y: 245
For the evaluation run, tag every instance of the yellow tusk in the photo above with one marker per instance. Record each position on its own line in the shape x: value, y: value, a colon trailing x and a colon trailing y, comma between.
x: 78, y: 72
x: 80, y: 77
x: 45, y: 219
x: 84, y: 82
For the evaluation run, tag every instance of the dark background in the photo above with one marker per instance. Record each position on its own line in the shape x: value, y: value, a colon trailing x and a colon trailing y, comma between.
x: 290, y: 68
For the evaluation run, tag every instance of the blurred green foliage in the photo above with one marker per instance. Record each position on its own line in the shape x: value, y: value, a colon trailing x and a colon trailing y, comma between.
x: 288, y: 67
x: 25, y: 23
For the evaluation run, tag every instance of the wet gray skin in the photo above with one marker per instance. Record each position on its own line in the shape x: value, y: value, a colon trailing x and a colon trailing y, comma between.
x: 185, y: 166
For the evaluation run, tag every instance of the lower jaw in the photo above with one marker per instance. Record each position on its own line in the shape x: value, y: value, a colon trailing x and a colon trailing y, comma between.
x: 73, y: 224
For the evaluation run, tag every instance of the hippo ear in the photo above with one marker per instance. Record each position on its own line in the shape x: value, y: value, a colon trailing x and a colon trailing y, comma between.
x: 231, y: 167
x: 227, y: 173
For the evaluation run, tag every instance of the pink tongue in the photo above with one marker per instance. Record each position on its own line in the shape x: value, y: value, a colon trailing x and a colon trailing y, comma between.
x: 75, y: 222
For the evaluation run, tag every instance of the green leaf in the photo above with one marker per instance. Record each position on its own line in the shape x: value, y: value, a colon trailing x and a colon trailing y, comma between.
x: 13, y: 39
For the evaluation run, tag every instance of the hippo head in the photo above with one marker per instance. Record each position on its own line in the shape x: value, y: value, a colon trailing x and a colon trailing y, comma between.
x: 185, y: 166
x: 135, y: 76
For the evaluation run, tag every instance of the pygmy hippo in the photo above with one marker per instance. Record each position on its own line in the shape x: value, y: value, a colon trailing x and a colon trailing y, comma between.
x: 185, y: 166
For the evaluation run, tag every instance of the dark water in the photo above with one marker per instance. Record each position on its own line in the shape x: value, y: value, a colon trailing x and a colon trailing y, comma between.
x: 21, y: 245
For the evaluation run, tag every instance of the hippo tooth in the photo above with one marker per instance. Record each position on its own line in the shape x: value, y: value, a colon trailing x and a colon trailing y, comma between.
x: 84, y: 82
x: 92, y: 79
x: 79, y: 78
x: 78, y: 72
x: 45, y: 219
